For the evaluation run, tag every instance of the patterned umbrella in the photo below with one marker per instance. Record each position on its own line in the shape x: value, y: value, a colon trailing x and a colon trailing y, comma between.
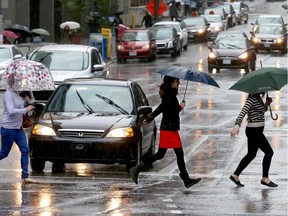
x: 26, y: 75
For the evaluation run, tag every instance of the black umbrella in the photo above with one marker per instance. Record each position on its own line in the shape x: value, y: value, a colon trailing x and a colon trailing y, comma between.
x: 18, y: 28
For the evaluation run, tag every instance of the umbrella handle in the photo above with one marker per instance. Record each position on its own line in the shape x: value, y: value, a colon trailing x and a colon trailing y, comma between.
x: 271, y: 114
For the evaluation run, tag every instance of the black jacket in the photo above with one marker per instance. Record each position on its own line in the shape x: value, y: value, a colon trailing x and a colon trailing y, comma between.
x: 170, y: 109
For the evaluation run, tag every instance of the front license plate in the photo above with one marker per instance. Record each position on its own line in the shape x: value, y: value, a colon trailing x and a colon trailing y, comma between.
x: 266, y: 45
x: 132, y: 53
x: 226, y: 61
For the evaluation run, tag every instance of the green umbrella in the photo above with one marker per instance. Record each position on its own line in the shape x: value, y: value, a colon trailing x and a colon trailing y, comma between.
x: 262, y: 80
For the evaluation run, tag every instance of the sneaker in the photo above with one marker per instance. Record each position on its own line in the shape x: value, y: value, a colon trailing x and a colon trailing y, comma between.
x: 29, y: 181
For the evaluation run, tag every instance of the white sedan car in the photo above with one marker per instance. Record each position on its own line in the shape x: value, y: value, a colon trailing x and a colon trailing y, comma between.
x: 181, y: 30
x: 67, y: 61
x: 9, y: 53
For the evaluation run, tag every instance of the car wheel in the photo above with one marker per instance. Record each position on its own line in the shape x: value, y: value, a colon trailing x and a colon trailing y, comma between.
x: 139, y: 151
x: 217, y: 70
x: 37, y: 165
x: 178, y: 52
x: 174, y: 54
x: 247, y: 68
x: 253, y: 65
x: 119, y: 60
x: 58, y: 167
x: 186, y: 46
x: 284, y: 50
x: 210, y: 69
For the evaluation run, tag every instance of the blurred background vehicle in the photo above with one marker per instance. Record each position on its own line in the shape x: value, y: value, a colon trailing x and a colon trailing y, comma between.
x: 241, y: 11
x: 233, y: 53
x: 198, y: 28
x: 69, y: 61
x: 167, y: 41
x: 136, y: 43
x: 217, y: 25
x: 270, y: 37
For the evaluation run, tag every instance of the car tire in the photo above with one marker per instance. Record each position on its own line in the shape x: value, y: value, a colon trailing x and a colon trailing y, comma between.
x: 284, y: 50
x: 58, y: 167
x: 253, y: 65
x: 186, y: 46
x: 247, y: 67
x: 119, y: 60
x: 210, y: 69
x: 217, y: 70
x: 37, y: 165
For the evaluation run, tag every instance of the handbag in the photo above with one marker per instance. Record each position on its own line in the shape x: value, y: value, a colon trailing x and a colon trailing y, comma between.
x: 27, y: 122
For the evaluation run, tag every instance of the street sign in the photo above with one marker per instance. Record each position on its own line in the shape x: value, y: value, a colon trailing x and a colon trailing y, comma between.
x: 151, y: 7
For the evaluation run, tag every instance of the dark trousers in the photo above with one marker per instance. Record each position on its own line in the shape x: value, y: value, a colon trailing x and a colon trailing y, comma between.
x: 256, y: 139
x: 161, y: 153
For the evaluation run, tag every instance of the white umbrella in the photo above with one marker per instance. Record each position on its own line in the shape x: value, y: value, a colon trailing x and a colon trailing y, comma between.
x: 40, y: 31
x: 70, y: 24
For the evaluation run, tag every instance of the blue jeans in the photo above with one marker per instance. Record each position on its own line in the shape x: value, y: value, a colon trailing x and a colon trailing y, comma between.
x: 9, y: 136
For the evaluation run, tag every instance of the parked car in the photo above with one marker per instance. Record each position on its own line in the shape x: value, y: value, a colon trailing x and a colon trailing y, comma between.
x: 231, y: 53
x: 198, y: 28
x: 167, y: 41
x: 241, y: 12
x: 93, y: 120
x: 266, y: 19
x: 70, y: 61
x: 230, y: 13
x: 180, y: 28
x: 136, y: 43
x: 9, y: 53
x: 270, y: 37
x: 216, y: 24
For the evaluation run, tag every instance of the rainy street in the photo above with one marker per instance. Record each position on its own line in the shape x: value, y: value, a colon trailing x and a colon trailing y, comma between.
x: 210, y: 152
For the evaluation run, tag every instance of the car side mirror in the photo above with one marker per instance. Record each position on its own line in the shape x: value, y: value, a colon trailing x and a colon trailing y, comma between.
x: 142, y: 110
x: 17, y: 56
x: 97, y: 68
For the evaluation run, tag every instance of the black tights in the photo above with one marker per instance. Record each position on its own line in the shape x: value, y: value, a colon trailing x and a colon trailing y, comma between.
x: 256, y: 139
x: 161, y: 153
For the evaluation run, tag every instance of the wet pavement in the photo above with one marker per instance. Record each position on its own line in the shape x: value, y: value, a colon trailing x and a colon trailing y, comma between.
x: 210, y: 153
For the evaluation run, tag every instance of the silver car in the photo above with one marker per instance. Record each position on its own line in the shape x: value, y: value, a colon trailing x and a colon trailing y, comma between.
x: 71, y: 61
x: 216, y: 24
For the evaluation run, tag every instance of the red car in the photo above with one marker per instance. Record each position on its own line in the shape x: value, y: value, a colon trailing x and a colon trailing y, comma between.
x: 136, y: 43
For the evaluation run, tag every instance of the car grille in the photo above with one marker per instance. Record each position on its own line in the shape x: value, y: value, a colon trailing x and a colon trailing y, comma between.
x: 267, y: 40
x: 74, y: 133
x: 162, y: 45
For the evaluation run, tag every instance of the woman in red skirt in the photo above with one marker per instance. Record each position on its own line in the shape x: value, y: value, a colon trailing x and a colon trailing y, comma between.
x: 169, y: 127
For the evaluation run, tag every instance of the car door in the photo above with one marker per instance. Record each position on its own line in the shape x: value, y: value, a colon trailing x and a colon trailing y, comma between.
x: 184, y: 34
x: 147, y: 130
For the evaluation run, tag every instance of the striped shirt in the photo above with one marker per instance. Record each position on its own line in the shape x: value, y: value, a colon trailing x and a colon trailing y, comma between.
x: 255, y: 109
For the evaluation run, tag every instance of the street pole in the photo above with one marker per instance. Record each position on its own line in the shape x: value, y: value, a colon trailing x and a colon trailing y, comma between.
x: 156, y: 9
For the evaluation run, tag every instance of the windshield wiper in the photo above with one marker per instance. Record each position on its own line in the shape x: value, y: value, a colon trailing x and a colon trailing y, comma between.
x: 44, y: 57
x: 107, y: 100
x: 89, y: 109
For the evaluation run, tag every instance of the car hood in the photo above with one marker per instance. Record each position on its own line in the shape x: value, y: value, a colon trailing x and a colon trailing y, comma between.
x: 213, y: 25
x: 134, y: 44
x: 59, y: 75
x: 271, y: 36
x: 164, y: 41
x: 196, y: 27
x: 228, y: 52
x: 92, y: 121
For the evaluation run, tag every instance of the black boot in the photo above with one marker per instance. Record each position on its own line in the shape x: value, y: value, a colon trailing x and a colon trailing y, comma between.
x: 134, y: 172
x: 188, y: 182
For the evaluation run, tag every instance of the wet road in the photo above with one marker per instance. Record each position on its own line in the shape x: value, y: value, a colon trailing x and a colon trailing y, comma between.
x: 210, y: 153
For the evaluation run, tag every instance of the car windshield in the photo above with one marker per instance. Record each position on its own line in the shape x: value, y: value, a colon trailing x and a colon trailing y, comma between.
x: 4, y: 53
x: 62, y: 60
x: 236, y: 6
x: 177, y: 27
x: 269, y: 30
x: 161, y: 34
x: 263, y: 20
x: 224, y: 43
x: 100, y: 99
x: 213, y: 19
x: 194, y: 22
x: 135, y: 36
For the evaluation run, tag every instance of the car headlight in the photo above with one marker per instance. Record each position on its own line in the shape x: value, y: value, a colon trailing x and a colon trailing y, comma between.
x: 146, y: 46
x: 201, y: 31
x: 279, y: 40
x: 170, y: 44
x: 217, y: 28
x: 121, y: 132
x: 244, y: 55
x: 120, y: 47
x: 255, y: 40
x: 212, y: 55
x: 43, y: 130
